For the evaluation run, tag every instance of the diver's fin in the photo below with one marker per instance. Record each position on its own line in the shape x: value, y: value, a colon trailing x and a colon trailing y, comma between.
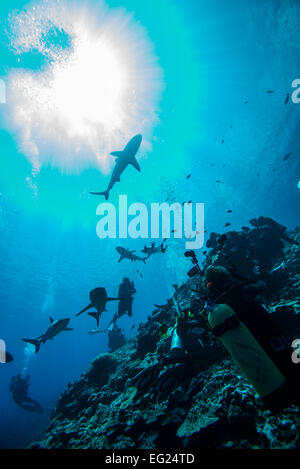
x: 118, y: 154
x: 105, y: 193
x: 85, y: 309
x: 51, y: 319
x: 34, y: 342
x: 135, y: 164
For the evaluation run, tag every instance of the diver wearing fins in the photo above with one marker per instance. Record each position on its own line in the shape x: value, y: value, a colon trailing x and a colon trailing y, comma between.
x: 252, y: 337
x: 19, y: 388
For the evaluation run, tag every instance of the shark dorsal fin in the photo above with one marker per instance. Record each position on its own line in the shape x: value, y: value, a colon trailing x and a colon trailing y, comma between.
x: 51, y: 320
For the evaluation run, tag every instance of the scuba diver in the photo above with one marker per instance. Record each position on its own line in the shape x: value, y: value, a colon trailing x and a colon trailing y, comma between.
x: 252, y: 337
x: 19, y: 387
x: 115, y: 337
x: 187, y: 332
x: 126, y: 292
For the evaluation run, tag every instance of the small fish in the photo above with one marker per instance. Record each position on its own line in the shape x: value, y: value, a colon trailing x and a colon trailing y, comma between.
x: 246, y: 102
x: 132, y: 327
x: 212, y: 164
x: 222, y: 141
x: 287, y: 98
x: 229, y: 211
x: 227, y: 224
x: 287, y: 156
x: 204, y: 252
x: 218, y: 182
x: 163, y: 330
x: 270, y: 91
x: 188, y: 176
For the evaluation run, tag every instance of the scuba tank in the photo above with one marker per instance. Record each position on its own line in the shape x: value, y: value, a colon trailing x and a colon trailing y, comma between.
x: 255, y: 364
x: 176, y: 349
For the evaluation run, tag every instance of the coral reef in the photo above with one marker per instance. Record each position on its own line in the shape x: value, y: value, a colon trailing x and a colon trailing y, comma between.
x: 140, y: 397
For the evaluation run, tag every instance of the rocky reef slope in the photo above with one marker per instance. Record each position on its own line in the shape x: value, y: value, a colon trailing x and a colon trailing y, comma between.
x: 140, y: 397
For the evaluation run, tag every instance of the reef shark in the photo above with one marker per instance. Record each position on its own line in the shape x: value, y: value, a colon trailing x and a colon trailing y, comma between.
x: 123, y: 159
x: 98, y: 298
x: 153, y: 249
x: 54, y: 329
x: 127, y: 254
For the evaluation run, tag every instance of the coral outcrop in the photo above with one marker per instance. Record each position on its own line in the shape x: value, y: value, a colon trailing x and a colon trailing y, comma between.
x: 139, y: 396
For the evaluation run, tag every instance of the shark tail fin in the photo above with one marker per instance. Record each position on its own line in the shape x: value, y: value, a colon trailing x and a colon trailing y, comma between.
x: 105, y: 193
x: 85, y: 309
x: 95, y: 315
x: 35, y: 342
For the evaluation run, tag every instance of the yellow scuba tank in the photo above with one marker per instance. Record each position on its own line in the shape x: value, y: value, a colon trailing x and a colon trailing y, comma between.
x: 255, y: 364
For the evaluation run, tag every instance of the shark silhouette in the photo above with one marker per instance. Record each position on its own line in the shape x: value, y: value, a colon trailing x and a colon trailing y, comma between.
x: 98, y: 298
x: 152, y: 249
x: 124, y: 158
x: 55, y: 328
x: 127, y: 254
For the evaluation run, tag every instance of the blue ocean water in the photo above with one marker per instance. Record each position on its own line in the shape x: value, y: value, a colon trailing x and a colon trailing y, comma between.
x: 222, y: 115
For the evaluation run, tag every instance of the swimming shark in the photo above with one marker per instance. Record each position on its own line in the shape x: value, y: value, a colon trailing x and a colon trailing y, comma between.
x: 54, y: 329
x: 127, y: 254
x: 123, y: 159
x: 98, y: 298
x: 153, y: 249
